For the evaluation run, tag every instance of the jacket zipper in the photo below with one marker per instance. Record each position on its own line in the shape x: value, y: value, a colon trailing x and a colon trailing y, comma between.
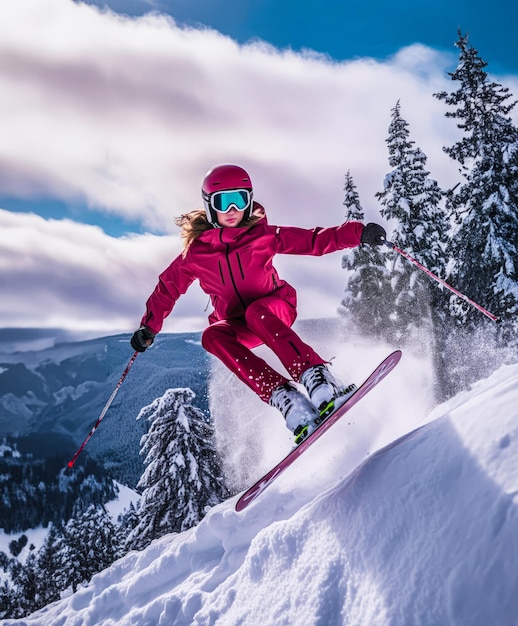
x: 240, y: 266
x: 227, y: 256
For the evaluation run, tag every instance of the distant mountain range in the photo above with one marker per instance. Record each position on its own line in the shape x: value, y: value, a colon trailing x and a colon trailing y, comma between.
x: 52, y: 384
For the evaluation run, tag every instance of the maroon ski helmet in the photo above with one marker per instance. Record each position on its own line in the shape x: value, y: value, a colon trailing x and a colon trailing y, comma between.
x: 223, y: 178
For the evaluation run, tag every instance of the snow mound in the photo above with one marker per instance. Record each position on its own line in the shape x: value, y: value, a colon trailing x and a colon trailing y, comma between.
x: 424, y: 531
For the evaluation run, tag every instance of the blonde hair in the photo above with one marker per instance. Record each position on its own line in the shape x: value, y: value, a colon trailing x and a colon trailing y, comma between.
x: 195, y: 223
x: 192, y: 225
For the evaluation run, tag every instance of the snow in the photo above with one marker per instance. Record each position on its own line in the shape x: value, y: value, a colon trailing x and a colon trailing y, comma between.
x: 35, y: 537
x: 125, y: 498
x: 421, y: 531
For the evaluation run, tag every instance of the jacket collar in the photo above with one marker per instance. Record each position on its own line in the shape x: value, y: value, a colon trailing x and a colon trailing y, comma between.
x: 217, y: 235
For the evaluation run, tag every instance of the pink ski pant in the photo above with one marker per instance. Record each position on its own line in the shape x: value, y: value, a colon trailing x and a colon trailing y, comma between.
x: 267, y: 321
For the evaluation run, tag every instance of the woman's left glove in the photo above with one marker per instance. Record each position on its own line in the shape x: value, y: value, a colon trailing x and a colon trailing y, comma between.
x: 373, y: 235
x: 142, y: 339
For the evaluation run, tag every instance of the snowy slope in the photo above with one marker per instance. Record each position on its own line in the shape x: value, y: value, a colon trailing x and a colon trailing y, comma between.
x: 422, y: 532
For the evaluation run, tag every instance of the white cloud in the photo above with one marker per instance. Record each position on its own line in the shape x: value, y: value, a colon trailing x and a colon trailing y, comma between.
x: 58, y: 273
x: 127, y: 114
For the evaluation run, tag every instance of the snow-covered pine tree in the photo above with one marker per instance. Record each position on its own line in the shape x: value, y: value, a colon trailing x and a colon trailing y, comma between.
x: 26, y: 589
x: 9, y: 601
x: 413, y: 199
x: 51, y: 567
x: 182, y: 476
x: 485, y: 245
x: 29, y: 585
x: 69, y: 557
x: 90, y: 544
x: 127, y: 522
x: 367, y: 301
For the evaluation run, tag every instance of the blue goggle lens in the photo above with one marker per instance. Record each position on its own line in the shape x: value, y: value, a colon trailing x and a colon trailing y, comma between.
x: 223, y: 201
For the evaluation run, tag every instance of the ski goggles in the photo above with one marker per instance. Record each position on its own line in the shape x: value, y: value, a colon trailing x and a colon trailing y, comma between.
x: 223, y: 201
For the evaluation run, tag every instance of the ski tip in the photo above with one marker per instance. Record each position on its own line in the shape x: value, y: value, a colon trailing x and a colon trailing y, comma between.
x: 394, y: 358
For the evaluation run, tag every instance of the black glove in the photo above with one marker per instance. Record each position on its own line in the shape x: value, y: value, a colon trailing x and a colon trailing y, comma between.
x: 142, y: 339
x: 373, y: 234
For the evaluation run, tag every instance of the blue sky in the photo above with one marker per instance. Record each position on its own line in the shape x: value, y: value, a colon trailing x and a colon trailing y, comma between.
x: 110, y: 119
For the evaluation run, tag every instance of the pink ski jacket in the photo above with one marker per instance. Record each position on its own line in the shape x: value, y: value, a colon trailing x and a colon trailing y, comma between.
x: 235, y: 266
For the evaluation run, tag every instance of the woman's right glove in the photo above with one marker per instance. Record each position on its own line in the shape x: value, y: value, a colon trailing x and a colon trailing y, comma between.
x: 373, y: 235
x: 142, y: 339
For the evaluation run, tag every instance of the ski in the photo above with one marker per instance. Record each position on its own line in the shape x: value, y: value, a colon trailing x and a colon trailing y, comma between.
x: 384, y: 368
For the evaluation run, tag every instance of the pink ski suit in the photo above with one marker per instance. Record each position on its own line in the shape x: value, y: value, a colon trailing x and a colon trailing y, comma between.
x: 252, y: 305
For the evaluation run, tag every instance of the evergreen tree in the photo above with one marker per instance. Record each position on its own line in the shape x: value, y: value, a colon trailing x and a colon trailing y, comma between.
x: 352, y: 199
x: 413, y: 199
x: 27, y: 582
x: 90, y: 544
x: 367, y: 301
x: 69, y: 557
x: 485, y: 245
x: 128, y: 521
x: 10, y: 596
x: 51, y: 566
x: 182, y: 476
x: 17, y: 545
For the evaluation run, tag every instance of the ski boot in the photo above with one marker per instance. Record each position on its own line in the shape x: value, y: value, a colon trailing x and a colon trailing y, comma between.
x: 325, y: 391
x: 300, y: 414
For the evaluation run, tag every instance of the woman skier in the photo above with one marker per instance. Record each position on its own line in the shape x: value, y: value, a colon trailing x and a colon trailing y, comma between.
x: 229, y: 248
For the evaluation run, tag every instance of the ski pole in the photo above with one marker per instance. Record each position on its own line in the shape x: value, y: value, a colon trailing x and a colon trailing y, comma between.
x: 103, y: 412
x: 441, y: 281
